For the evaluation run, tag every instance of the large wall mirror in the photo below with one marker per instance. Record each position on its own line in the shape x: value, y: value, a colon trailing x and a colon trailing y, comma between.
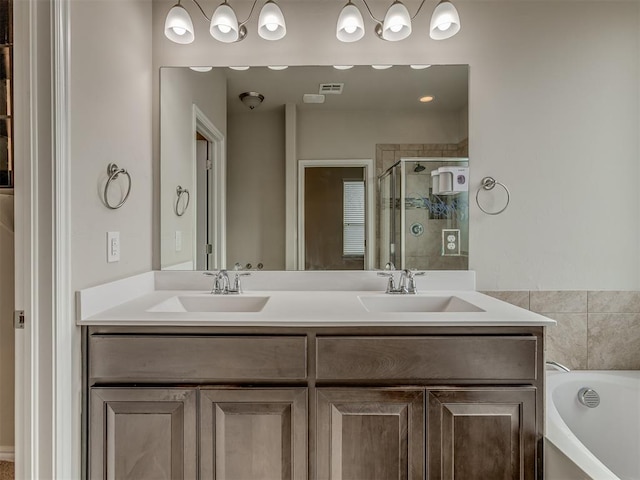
x: 314, y: 167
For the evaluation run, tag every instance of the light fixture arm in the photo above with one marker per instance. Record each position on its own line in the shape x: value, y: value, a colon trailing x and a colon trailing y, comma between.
x: 201, y: 10
x: 380, y: 21
x: 370, y: 12
x: 240, y: 24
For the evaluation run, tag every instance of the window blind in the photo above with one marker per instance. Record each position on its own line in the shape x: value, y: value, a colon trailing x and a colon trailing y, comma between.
x: 353, y: 218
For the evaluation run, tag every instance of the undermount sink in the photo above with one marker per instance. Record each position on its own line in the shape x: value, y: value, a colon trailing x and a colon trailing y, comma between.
x: 211, y: 303
x: 416, y: 303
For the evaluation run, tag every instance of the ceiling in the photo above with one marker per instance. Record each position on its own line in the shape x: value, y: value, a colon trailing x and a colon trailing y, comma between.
x: 365, y: 88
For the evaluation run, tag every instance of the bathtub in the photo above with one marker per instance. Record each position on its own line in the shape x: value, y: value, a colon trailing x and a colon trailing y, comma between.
x: 601, y: 443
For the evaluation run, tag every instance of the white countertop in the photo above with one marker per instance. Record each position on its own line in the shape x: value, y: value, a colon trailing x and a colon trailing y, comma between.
x: 131, y: 302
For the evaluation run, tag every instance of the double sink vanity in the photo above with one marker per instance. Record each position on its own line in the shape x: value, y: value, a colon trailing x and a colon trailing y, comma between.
x: 317, y: 375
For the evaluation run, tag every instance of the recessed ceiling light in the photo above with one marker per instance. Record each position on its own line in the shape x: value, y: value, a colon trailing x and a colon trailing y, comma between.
x: 278, y: 67
x: 342, y: 67
x: 381, y: 67
x: 201, y: 69
x: 419, y: 67
x: 241, y: 68
x: 427, y: 98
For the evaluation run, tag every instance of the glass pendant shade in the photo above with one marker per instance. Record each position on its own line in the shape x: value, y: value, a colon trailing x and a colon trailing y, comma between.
x: 397, y: 23
x: 271, y: 25
x: 224, y: 24
x: 445, y: 21
x: 178, y: 26
x: 350, y: 26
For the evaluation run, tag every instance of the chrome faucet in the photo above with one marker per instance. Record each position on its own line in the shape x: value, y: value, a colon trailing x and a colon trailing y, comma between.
x: 407, y: 283
x: 222, y: 284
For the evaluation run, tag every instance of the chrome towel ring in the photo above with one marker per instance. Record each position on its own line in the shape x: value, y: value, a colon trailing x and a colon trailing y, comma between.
x: 180, y: 192
x: 488, y: 183
x: 114, y: 172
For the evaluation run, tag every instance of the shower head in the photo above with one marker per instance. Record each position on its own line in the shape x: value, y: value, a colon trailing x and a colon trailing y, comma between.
x: 418, y: 168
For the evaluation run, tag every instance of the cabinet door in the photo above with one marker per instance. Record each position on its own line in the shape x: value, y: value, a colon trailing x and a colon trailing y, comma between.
x: 252, y: 433
x: 140, y: 434
x: 481, y: 434
x: 370, y: 434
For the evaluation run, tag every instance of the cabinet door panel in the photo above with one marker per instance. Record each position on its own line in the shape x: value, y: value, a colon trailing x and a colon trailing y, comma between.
x: 481, y: 434
x: 143, y: 434
x: 370, y: 434
x: 253, y: 434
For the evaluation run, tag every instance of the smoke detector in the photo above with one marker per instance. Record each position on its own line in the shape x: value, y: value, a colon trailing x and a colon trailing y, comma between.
x: 312, y: 98
x: 251, y: 99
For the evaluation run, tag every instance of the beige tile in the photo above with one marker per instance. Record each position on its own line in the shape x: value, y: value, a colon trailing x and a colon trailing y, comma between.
x: 559, y: 301
x: 519, y: 298
x: 613, y: 302
x: 566, y: 342
x: 614, y: 341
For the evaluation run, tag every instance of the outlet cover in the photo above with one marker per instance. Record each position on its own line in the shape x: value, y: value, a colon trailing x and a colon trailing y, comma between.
x: 450, y: 242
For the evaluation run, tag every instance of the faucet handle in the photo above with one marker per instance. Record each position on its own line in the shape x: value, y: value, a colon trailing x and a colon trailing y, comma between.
x: 237, y: 286
x: 389, y: 266
x: 391, y: 285
x: 411, y: 281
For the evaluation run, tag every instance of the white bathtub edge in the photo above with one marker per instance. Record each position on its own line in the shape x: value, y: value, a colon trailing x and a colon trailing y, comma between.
x: 560, y: 436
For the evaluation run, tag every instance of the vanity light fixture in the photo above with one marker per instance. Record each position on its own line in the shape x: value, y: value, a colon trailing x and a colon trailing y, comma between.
x: 178, y: 26
x: 427, y: 99
x: 224, y: 25
x: 201, y: 69
x: 396, y: 25
x: 342, y: 67
x: 350, y: 26
x: 419, y: 67
x: 240, y: 68
x: 381, y: 67
x: 278, y: 67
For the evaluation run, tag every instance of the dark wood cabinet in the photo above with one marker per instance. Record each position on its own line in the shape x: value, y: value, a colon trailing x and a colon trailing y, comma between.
x: 253, y: 433
x: 143, y: 433
x: 324, y: 403
x: 370, y: 434
x: 480, y: 434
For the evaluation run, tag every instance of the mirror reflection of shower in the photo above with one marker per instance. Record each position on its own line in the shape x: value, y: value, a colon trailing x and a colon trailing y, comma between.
x: 424, y: 226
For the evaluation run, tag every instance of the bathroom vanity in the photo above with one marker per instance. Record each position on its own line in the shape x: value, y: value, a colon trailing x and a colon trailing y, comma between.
x: 311, y: 384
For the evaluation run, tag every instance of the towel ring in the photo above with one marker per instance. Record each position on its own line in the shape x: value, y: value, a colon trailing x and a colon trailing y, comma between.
x: 488, y: 183
x: 182, y: 191
x: 114, y: 171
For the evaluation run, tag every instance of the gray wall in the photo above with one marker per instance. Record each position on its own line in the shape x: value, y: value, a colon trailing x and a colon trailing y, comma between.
x: 111, y: 75
x: 553, y: 92
x: 184, y: 88
x: 255, y: 189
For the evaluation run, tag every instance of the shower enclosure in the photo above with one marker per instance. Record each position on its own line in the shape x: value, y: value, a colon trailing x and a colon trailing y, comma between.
x: 424, y: 219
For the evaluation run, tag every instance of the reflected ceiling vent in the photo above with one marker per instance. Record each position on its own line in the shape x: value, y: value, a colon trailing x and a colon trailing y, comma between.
x: 312, y: 98
x: 331, y: 88
x: 251, y: 99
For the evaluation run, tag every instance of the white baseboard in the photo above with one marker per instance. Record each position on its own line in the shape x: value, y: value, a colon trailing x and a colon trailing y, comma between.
x: 7, y: 454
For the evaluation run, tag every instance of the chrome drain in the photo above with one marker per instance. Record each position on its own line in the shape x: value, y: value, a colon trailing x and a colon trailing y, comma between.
x: 588, y: 397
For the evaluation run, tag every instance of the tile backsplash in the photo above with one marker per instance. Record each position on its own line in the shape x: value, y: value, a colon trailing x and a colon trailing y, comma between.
x: 596, y: 330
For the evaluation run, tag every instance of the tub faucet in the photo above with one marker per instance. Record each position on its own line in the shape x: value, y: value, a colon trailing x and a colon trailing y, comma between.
x: 557, y: 366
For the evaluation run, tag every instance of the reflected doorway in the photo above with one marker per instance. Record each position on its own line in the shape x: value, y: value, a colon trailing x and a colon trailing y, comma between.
x: 335, y: 214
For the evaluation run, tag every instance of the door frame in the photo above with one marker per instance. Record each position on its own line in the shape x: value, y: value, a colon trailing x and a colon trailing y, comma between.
x: 217, y: 179
x: 370, y: 204
x: 48, y: 377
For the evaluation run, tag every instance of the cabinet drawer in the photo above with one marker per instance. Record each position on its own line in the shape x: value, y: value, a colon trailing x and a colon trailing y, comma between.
x: 158, y: 358
x: 473, y: 358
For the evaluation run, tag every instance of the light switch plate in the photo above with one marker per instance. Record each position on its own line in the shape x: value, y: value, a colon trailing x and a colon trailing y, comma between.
x: 113, y: 247
x: 178, y: 240
x: 450, y: 242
